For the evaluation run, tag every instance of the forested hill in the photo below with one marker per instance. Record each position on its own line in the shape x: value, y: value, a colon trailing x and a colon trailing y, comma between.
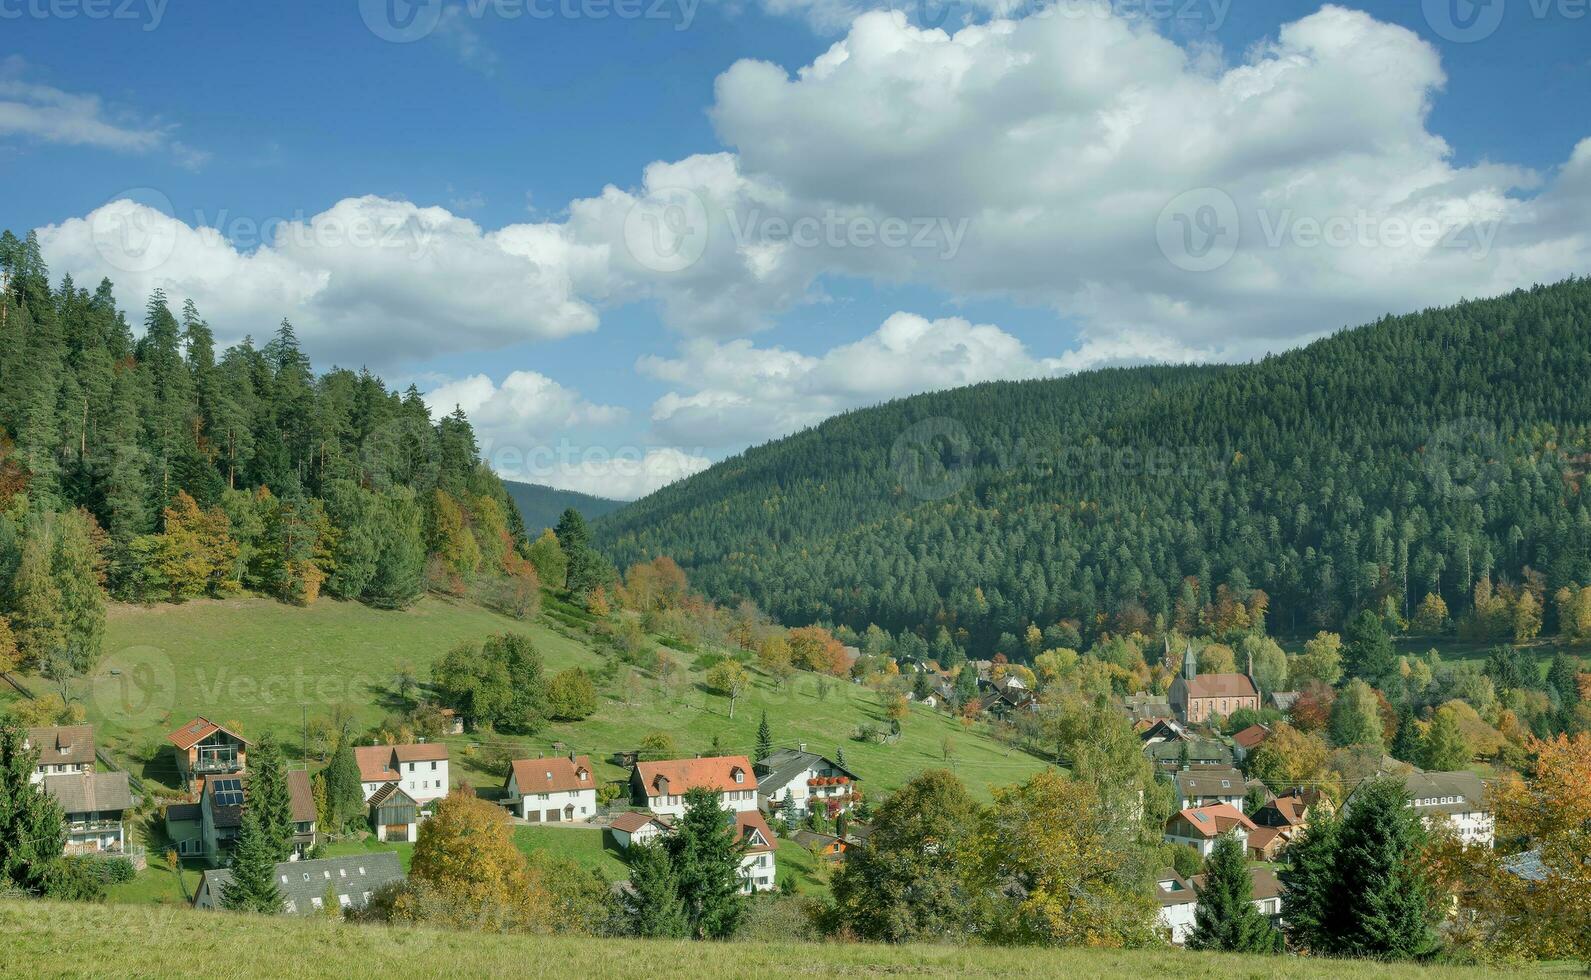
x: 541, y: 506
x: 149, y: 463
x: 1416, y: 455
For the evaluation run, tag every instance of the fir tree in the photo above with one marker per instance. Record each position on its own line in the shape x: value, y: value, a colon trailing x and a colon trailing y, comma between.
x: 32, y: 832
x: 1315, y: 912
x: 764, y: 739
x: 1226, y: 918
x: 253, y: 867
x: 269, y: 796
x: 653, y: 904
x: 705, y: 856
x: 344, y: 792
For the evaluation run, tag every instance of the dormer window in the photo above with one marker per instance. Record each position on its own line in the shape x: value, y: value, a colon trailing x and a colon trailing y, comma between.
x: 740, y: 776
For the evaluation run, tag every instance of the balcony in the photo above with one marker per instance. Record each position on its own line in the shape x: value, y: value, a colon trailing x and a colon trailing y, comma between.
x: 211, y: 764
x: 93, y: 826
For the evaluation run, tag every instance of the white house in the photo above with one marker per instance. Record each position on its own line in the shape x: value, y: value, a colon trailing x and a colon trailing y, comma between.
x: 1179, y: 899
x: 552, y: 789
x: 1458, y: 798
x: 63, y: 751
x: 807, y: 780
x: 633, y: 827
x: 420, y: 769
x: 757, y: 866
x: 661, y: 786
x: 1207, y: 786
x: 1199, y: 827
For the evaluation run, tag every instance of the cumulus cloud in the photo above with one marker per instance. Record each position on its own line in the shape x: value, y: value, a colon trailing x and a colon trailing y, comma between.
x: 625, y: 474
x: 526, y: 408
x: 731, y: 393
x: 369, y: 280
x: 30, y: 110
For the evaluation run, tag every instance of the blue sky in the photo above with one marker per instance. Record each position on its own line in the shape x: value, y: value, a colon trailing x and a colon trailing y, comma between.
x: 1045, y: 185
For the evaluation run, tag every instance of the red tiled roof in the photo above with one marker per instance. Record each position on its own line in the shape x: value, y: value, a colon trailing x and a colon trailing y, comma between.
x: 1252, y: 736
x: 1213, y: 821
x: 1221, y: 686
x: 631, y: 821
x: 747, y: 821
x: 63, y: 745
x: 716, y: 774
x: 554, y: 774
x: 378, y: 763
x: 197, y: 731
x: 1260, y: 838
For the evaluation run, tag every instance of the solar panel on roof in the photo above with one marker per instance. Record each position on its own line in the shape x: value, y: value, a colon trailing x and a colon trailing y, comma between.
x: 228, y: 792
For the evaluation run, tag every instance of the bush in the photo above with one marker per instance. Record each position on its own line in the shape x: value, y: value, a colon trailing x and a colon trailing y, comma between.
x: 116, y: 871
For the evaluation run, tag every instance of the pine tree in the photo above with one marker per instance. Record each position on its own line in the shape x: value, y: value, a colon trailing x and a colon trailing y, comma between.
x: 37, y: 617
x: 1564, y: 678
x: 1226, y: 918
x: 269, y: 796
x: 1446, y: 748
x: 75, y: 566
x: 653, y: 904
x: 344, y: 791
x: 32, y: 832
x: 764, y: 739
x: 254, y: 860
x: 706, y: 855
x: 1369, y: 653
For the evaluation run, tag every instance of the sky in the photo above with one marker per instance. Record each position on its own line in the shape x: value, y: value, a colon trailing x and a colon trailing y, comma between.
x: 633, y: 237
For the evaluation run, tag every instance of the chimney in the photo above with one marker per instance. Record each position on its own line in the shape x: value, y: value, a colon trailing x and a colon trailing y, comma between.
x: 803, y: 746
x: 571, y: 757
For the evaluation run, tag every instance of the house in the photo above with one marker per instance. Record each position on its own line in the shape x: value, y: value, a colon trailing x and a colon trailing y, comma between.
x: 1458, y: 798
x: 1178, y: 905
x: 453, y: 721
x: 1194, y: 753
x: 306, y: 886
x: 825, y: 846
x: 757, y: 866
x: 1249, y: 739
x: 1198, y: 827
x: 204, y: 748
x: 419, y: 769
x: 552, y: 789
x: 1004, y: 701
x: 1207, y: 786
x: 1145, y: 707
x: 1179, y: 900
x: 855, y: 833
x: 661, y: 786
x: 1291, y: 809
x: 1197, y: 698
x: 806, y: 780
x: 1283, y: 701
x: 394, y: 814
x: 1164, y: 730
x: 93, y: 803
x: 220, y: 816
x: 63, y: 750
x: 634, y: 827
x: 1267, y: 843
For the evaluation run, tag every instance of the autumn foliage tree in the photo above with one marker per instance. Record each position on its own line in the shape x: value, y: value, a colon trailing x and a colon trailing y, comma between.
x: 816, y: 649
x: 467, y: 873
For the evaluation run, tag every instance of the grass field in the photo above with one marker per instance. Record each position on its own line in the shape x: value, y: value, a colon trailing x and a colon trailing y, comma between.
x: 40, y: 939
x: 268, y: 666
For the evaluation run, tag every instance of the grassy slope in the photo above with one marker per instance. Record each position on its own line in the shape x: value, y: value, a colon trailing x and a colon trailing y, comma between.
x: 256, y: 662
x: 42, y: 939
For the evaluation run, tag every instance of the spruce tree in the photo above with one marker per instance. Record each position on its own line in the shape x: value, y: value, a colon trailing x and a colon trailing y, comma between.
x: 1446, y: 748
x: 344, y: 791
x: 37, y: 617
x: 764, y: 739
x: 254, y: 860
x: 705, y: 855
x: 1369, y: 653
x: 269, y: 796
x: 1314, y: 910
x: 74, y: 564
x: 32, y: 833
x: 653, y: 904
x: 1226, y: 918
x: 1392, y: 907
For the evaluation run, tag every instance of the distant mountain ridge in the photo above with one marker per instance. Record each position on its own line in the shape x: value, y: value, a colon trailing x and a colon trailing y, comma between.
x: 1413, y: 455
x: 541, y: 505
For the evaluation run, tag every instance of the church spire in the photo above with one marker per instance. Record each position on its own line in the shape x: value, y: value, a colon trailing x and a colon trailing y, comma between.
x: 1190, y: 664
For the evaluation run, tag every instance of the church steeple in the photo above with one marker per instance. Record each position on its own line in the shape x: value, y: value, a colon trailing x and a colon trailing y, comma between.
x: 1190, y: 664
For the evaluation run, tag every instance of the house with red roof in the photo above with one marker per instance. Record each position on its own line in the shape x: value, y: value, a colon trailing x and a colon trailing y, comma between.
x: 1197, y: 698
x: 661, y: 786
x: 419, y: 769
x: 204, y: 748
x: 757, y: 867
x: 1198, y: 827
x: 552, y: 789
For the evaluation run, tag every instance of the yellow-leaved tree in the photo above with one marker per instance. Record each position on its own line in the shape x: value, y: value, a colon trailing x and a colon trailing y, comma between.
x: 467, y: 873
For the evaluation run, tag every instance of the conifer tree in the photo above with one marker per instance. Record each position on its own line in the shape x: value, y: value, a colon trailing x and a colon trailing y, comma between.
x: 344, y: 791
x: 32, y: 832
x: 270, y: 797
x: 253, y: 867
x: 764, y: 739
x: 37, y: 618
x: 705, y: 855
x: 1226, y: 918
x: 653, y: 905
x: 1446, y: 748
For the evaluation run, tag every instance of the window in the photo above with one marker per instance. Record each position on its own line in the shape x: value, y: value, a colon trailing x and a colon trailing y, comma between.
x: 306, y: 876
x: 345, y: 900
x: 342, y: 872
x: 292, y: 907
x: 317, y: 903
x: 433, y: 767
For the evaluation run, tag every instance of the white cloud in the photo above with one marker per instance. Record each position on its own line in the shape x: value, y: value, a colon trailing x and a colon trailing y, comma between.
x: 626, y: 474
x: 41, y: 112
x: 526, y: 408
x: 369, y: 280
x: 735, y: 393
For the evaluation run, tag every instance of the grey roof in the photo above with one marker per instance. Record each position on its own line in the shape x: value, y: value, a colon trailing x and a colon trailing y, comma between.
x: 776, y: 771
x: 90, y: 792
x: 1193, y: 783
x: 63, y: 745
x: 1284, y: 700
x: 1466, y: 790
x: 300, y: 882
x: 1526, y: 865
